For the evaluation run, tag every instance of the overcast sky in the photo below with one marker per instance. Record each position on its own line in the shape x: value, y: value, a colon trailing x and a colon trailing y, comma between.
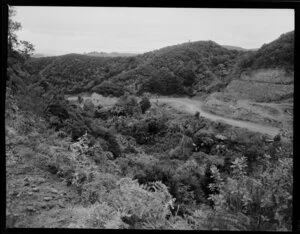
x: 61, y: 30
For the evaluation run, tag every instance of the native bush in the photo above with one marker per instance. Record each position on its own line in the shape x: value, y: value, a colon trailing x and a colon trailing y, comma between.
x: 88, y: 106
x: 265, y: 199
x: 144, y: 104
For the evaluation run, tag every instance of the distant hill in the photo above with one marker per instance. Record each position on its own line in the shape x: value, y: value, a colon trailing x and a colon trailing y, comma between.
x: 41, y: 55
x: 183, y: 69
x: 229, y: 47
x: 234, y: 48
x: 112, y: 54
x: 38, y: 55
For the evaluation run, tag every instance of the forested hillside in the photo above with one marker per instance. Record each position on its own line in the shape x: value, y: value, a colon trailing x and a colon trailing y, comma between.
x: 277, y: 54
x: 76, y: 73
x: 182, y: 69
x: 185, y: 69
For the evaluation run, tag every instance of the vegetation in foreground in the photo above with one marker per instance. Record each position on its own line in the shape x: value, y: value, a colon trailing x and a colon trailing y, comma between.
x: 160, y: 169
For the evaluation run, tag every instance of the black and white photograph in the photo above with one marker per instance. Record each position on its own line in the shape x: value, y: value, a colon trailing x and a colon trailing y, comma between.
x: 149, y: 118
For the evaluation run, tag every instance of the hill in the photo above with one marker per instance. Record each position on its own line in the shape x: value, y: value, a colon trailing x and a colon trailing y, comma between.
x: 229, y: 47
x: 75, y: 73
x: 181, y: 69
x: 277, y: 54
x: 185, y: 69
x: 38, y: 55
x: 262, y: 86
x: 112, y: 54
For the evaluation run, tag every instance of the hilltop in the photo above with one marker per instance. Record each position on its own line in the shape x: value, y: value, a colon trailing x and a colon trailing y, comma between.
x: 111, y: 54
x: 229, y: 47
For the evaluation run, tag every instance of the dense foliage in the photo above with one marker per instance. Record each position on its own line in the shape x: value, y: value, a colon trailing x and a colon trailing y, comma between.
x: 74, y: 73
x: 277, y: 54
x: 184, y: 69
x: 190, y: 67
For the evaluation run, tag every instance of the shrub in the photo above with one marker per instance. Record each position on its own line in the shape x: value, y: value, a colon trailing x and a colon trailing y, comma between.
x: 148, y: 202
x: 145, y: 104
x: 106, y: 134
x: 94, y: 191
x: 129, y: 104
x: 130, y: 205
x: 103, y: 113
x: 277, y: 137
x: 55, y: 122
x: 265, y: 199
x: 88, y: 105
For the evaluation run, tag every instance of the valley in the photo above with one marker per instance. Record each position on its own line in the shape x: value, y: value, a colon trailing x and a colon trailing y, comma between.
x: 193, y: 136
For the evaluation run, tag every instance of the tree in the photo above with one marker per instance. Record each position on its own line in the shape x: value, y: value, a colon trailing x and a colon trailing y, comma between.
x: 20, y: 50
x: 187, y: 75
x: 12, y: 28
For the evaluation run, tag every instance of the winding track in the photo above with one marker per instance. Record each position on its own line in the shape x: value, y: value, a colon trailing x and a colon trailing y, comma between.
x: 191, y: 106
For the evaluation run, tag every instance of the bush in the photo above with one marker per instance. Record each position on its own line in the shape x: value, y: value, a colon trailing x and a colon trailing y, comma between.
x: 104, y: 133
x: 266, y: 200
x: 88, y: 105
x: 130, y: 205
x: 58, y: 110
x: 145, y: 104
x: 55, y: 122
x: 103, y: 113
x: 277, y: 137
x: 129, y: 104
x: 94, y: 190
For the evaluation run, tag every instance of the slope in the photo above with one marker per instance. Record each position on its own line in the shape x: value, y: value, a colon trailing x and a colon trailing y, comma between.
x: 187, y: 68
x: 262, y: 86
x: 276, y: 54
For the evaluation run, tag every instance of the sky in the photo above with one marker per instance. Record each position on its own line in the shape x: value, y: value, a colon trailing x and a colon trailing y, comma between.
x: 62, y: 30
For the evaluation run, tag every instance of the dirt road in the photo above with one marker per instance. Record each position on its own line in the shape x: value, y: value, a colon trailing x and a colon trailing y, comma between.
x: 191, y: 106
